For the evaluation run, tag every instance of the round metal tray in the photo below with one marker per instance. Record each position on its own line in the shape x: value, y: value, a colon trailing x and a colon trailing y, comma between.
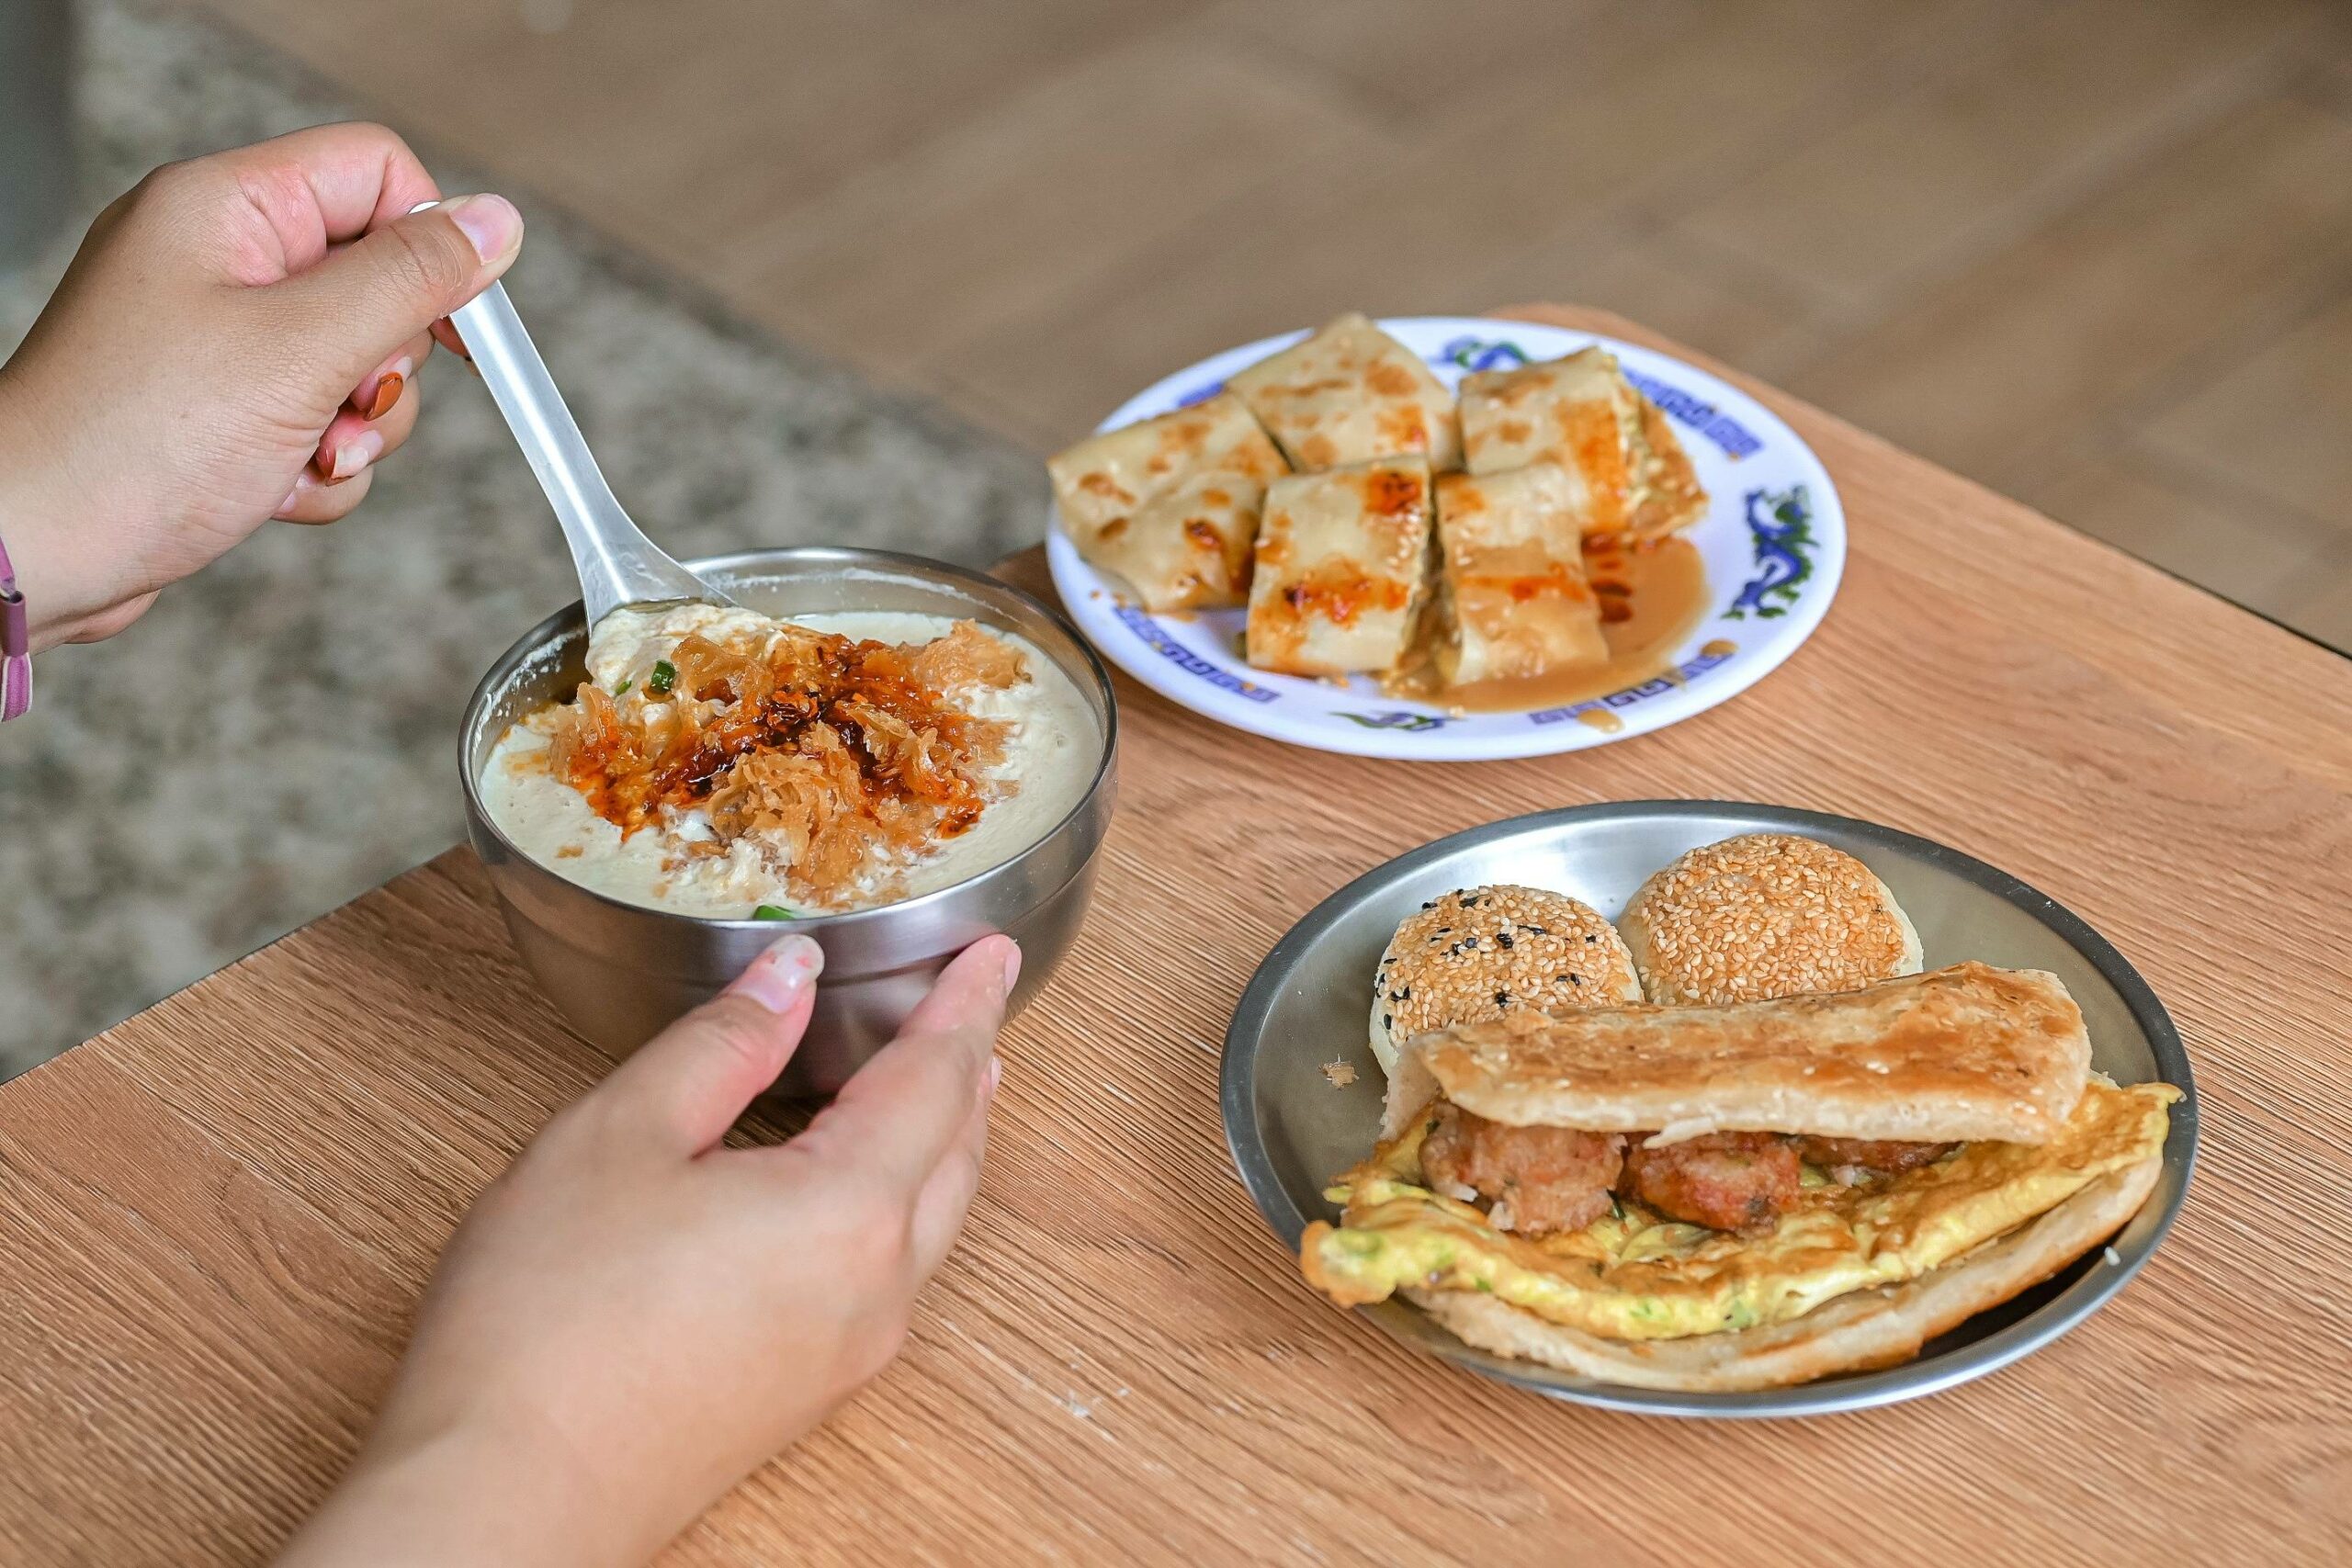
x: 1291, y: 1130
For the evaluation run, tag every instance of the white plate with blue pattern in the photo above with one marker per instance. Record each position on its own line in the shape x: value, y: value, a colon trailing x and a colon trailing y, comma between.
x: 1773, y: 541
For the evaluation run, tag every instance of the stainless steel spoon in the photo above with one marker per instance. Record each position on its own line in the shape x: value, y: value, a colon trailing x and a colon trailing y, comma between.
x: 617, y: 564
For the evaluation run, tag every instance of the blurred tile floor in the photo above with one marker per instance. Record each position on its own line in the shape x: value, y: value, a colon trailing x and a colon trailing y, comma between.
x: 2095, y: 253
x: 278, y: 735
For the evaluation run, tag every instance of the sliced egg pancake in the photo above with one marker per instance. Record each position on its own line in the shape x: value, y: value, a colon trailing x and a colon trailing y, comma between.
x: 1631, y: 1276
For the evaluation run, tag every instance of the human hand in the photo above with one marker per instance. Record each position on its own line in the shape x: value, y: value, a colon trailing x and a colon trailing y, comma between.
x: 238, y: 339
x: 634, y: 1316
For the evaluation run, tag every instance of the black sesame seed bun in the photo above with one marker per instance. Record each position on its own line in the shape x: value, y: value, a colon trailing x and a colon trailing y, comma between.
x: 1479, y: 952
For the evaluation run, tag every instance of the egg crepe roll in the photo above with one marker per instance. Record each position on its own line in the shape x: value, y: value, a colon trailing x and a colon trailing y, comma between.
x: 1170, y: 504
x: 1342, y: 568
x: 1579, y: 411
x: 1963, y: 1052
x: 1351, y: 394
x: 1512, y: 596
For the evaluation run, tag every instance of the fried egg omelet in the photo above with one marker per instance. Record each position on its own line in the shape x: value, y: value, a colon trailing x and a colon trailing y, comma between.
x: 1633, y: 1275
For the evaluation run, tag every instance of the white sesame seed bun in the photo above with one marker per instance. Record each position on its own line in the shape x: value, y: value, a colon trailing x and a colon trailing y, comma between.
x: 1479, y: 952
x: 1765, y: 915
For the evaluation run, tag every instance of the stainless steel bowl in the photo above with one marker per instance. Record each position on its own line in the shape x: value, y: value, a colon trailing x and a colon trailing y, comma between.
x: 618, y: 973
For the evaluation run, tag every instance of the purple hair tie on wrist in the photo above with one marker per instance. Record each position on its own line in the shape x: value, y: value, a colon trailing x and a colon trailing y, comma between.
x: 16, y: 644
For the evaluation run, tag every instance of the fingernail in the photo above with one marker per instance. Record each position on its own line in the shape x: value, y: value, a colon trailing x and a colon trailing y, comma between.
x: 1011, y: 965
x: 291, y: 497
x: 490, y: 221
x: 388, y: 392
x: 996, y: 1072
x: 354, y: 455
x: 779, y: 977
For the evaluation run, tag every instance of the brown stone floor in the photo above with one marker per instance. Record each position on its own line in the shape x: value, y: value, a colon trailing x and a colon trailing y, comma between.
x: 2096, y: 252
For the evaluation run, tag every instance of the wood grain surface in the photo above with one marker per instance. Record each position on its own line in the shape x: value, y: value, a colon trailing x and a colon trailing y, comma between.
x: 218, y: 1215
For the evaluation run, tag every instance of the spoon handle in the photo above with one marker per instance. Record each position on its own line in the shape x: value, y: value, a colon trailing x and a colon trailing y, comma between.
x: 618, y: 565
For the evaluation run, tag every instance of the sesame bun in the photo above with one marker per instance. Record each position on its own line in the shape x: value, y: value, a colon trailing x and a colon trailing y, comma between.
x: 1765, y: 915
x: 1479, y: 952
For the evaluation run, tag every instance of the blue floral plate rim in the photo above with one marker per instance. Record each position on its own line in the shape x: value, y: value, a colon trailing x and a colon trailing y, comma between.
x: 1773, y: 541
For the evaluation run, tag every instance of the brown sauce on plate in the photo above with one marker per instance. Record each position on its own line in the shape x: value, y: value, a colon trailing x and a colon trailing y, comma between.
x: 1651, y: 594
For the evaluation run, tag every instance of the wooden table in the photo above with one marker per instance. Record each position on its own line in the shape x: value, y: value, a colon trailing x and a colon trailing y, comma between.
x: 217, y: 1216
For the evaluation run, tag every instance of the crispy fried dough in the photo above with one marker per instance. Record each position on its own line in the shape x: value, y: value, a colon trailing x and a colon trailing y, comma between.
x: 1962, y: 1053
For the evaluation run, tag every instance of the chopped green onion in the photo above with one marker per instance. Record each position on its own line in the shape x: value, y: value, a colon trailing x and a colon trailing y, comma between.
x: 624, y: 686
x: 773, y: 912
x: 664, y: 676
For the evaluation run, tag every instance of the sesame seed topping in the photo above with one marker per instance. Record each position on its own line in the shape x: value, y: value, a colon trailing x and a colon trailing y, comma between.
x: 1548, y: 951
x: 1760, y: 916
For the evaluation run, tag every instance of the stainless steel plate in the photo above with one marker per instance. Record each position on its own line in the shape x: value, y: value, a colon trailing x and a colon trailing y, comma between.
x: 1291, y: 1130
